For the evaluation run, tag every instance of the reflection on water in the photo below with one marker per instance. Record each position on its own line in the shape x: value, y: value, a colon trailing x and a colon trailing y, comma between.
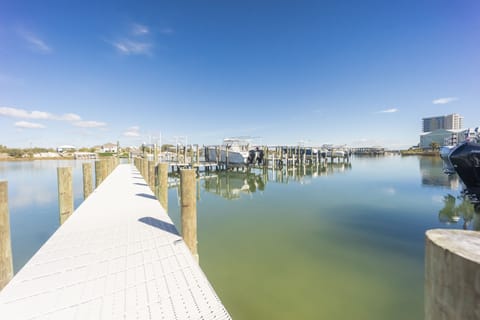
x: 458, y: 208
x: 33, y: 202
x: 232, y: 184
x: 431, y: 169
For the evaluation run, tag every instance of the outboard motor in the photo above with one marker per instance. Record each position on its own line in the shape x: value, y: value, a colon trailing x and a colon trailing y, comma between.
x: 260, y: 156
x: 251, y: 157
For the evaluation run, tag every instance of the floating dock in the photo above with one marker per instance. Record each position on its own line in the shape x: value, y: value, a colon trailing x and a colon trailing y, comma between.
x: 118, y: 256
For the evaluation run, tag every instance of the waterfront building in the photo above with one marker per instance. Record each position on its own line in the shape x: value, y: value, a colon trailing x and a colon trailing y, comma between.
x: 450, y: 122
x: 445, y: 137
x: 66, y: 148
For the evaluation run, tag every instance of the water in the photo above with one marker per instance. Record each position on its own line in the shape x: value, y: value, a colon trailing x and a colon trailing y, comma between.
x: 345, y: 242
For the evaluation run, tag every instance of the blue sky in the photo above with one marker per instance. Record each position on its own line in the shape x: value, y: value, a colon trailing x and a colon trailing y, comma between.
x: 344, y: 72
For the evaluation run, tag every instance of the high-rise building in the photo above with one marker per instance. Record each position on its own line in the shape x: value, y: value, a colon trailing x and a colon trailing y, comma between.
x: 451, y: 122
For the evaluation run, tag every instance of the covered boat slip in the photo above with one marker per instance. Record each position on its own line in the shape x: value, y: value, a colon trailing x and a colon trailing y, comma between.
x: 118, y: 256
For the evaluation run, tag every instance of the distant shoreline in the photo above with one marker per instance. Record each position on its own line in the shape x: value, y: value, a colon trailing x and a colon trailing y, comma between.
x: 420, y: 153
x: 39, y: 158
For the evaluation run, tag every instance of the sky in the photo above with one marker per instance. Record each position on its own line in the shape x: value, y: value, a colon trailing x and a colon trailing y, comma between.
x: 360, y: 73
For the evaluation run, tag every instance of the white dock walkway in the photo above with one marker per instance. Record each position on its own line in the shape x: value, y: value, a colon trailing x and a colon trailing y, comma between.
x: 118, y: 256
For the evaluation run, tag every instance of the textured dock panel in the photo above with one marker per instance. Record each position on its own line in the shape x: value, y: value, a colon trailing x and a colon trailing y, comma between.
x: 118, y: 256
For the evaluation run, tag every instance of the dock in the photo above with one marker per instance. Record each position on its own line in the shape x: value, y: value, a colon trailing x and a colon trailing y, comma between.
x: 118, y: 256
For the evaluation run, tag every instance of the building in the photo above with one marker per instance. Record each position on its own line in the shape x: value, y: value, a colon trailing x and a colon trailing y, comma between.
x: 66, y: 148
x: 107, y: 148
x: 451, y: 122
x: 444, y: 137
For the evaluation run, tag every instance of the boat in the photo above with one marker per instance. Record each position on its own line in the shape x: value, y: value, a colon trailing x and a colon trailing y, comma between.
x: 236, y: 150
x: 444, y: 154
x: 464, y: 159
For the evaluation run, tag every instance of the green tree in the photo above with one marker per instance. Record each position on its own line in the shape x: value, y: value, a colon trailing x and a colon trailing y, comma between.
x: 435, y: 145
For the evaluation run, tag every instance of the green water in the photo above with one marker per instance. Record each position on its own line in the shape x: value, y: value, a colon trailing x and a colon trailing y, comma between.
x: 347, y: 243
x: 341, y: 242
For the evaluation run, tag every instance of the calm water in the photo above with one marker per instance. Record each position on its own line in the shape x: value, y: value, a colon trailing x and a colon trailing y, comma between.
x: 343, y: 242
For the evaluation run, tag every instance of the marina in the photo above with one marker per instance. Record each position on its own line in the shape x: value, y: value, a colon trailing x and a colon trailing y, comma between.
x: 292, y: 232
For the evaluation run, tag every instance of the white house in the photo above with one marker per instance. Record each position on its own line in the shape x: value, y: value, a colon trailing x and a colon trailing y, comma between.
x: 109, y: 147
x: 66, y: 148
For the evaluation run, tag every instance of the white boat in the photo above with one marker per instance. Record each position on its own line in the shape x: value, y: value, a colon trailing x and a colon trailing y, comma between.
x: 236, y: 150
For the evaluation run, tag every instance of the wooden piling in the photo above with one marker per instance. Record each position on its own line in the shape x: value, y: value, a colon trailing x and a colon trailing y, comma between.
x: 65, y: 193
x: 226, y: 157
x: 6, y: 261
x: 198, y: 154
x: 151, y: 175
x: 98, y: 173
x: 163, y: 185
x: 189, y: 209
x: 145, y: 169
x: 104, y: 167
x: 155, y: 154
x: 87, y: 179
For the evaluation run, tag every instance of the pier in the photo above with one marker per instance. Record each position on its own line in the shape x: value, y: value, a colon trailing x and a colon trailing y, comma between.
x: 117, y: 256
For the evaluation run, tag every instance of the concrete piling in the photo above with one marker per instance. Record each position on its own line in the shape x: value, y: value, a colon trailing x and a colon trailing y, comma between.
x: 452, y: 275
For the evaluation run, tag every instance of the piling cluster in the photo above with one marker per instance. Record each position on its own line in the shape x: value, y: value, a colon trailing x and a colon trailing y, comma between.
x: 156, y: 177
x: 65, y: 203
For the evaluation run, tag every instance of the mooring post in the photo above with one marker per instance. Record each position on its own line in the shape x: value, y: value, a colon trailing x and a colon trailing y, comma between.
x: 189, y: 209
x: 226, y: 157
x: 151, y: 175
x: 98, y: 173
x: 104, y: 167
x: 155, y: 154
x: 198, y: 154
x: 452, y: 274
x: 145, y: 169
x: 65, y: 193
x: 87, y: 179
x: 163, y: 185
x: 265, y: 157
x: 6, y: 261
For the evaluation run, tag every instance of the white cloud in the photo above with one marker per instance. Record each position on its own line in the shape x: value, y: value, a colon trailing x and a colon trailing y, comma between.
x: 39, y: 115
x: 35, y: 43
x: 89, y: 124
x: 444, y: 100
x: 20, y: 113
x: 391, y: 110
x: 29, y: 125
x: 137, y: 42
x: 129, y: 47
x: 70, y: 117
x: 138, y: 29
x: 132, y: 132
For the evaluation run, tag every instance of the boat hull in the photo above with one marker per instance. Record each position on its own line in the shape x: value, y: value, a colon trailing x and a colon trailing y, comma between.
x: 234, y: 157
x: 465, y: 158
